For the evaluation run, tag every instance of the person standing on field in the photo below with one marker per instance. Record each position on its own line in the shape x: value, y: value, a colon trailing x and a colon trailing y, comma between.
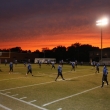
x: 59, y: 73
x: 97, y: 67
x: 39, y: 64
x: 53, y: 65
x: 5, y: 62
x: 29, y: 69
x: 104, y: 77
x: 11, y: 67
x: 73, y: 66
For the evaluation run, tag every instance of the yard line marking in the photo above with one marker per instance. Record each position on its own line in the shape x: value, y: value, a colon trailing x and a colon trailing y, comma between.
x: 28, y: 86
x: 23, y: 98
x: 11, y: 78
x: 4, y: 107
x: 7, y: 92
x: 43, y: 83
x: 32, y: 101
x: 59, y: 109
x: 70, y: 96
x: 36, y: 106
x: 80, y: 76
x: 14, y: 95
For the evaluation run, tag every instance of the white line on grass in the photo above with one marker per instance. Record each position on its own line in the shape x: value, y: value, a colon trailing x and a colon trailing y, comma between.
x: 4, y: 107
x: 79, y: 76
x: 43, y: 83
x: 36, y: 106
x: 32, y: 101
x: 28, y: 86
x: 23, y: 98
x: 70, y: 96
x: 14, y: 95
x: 59, y: 109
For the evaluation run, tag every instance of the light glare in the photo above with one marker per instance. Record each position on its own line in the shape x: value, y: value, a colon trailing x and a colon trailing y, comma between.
x: 102, y: 22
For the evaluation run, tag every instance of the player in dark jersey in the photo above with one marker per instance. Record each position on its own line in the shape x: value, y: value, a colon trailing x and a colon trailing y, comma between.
x: 5, y: 62
x: 29, y: 69
x: 104, y: 77
x: 11, y: 67
x: 39, y: 64
x: 59, y: 73
x: 97, y: 67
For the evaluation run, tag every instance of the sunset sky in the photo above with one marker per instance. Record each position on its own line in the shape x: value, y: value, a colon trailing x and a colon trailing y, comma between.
x: 36, y: 24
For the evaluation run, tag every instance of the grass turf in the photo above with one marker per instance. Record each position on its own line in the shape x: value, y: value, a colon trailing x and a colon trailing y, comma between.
x: 81, y: 89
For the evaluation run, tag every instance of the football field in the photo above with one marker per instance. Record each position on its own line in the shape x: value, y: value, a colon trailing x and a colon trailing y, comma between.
x: 81, y: 89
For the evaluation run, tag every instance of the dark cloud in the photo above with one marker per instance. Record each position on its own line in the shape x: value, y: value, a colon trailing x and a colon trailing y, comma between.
x: 12, y: 9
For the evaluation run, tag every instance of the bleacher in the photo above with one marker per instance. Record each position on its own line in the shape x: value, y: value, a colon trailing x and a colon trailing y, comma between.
x: 105, y: 61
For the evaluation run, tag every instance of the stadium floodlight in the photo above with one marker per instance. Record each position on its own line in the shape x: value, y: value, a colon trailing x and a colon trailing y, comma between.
x: 102, y: 23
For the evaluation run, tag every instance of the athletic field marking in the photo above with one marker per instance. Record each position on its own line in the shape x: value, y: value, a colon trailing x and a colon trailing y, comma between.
x: 4, y: 107
x: 7, y: 92
x: 57, y: 73
x: 28, y: 86
x: 39, y: 75
x: 80, y: 76
x: 70, y: 96
x: 59, y: 109
x: 32, y: 101
x: 14, y: 95
x: 23, y: 98
x: 41, y: 108
x: 12, y: 78
x: 69, y: 72
x: 43, y: 83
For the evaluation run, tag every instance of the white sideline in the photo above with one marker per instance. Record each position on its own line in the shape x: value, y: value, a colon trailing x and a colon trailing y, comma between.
x: 4, y: 107
x: 23, y: 102
x: 43, y: 83
x: 70, y: 96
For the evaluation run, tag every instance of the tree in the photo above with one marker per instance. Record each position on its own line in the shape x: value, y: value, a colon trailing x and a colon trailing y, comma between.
x: 16, y: 49
x: 59, y: 52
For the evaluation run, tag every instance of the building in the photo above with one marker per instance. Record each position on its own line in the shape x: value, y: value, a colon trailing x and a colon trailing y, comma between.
x: 96, y: 56
x: 20, y: 57
x: 45, y: 60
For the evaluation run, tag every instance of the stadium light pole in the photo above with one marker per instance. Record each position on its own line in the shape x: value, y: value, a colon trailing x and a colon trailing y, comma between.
x: 102, y: 23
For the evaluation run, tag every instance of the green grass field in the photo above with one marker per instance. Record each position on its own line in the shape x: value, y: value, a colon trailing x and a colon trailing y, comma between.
x: 81, y: 89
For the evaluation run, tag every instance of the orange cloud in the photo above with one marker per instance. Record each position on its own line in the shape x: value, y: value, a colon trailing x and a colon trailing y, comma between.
x: 56, y: 40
